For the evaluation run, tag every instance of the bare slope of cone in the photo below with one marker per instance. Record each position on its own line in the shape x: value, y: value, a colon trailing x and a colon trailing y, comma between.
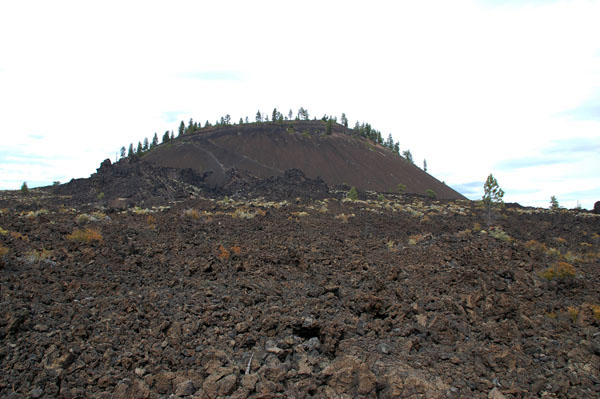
x: 269, y: 149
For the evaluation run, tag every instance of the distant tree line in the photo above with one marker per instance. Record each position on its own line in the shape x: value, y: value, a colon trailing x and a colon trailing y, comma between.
x: 360, y: 129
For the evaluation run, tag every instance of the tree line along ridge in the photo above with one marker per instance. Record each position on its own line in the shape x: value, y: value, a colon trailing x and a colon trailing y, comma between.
x: 360, y: 129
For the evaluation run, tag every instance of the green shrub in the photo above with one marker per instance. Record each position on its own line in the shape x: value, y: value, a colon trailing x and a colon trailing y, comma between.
x: 352, y: 194
x: 431, y: 194
x: 401, y: 188
x: 24, y: 188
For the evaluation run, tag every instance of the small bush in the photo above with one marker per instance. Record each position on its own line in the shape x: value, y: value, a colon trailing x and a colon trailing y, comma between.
x: 24, y: 188
x: 431, y: 194
x: 223, y: 253
x: 559, y: 271
x: 83, y: 218
x: 573, y: 313
x: 380, y: 197
x: 18, y: 236
x: 415, y: 238
x: 100, y: 196
x: 87, y: 235
x: 3, y: 250
x: 191, y: 214
x: 300, y: 214
x: 536, y: 246
x: 241, y: 213
x: 343, y: 217
x: 499, y: 234
x: 151, y: 220
x: 3, y: 232
x: 352, y: 194
x: 35, y: 256
x: 596, y: 312
x: 142, y: 211
x: 401, y: 188
x: 34, y: 214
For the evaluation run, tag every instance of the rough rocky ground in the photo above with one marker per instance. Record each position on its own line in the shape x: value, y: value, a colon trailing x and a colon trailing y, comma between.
x: 321, y: 298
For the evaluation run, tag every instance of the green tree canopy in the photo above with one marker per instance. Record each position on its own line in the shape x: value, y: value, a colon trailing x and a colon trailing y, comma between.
x: 181, y: 130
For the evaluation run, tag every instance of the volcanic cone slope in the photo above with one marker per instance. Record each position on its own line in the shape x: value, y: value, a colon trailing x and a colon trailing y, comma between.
x: 269, y: 149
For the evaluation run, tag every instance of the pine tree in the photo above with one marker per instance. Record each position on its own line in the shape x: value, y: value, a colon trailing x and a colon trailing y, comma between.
x: 344, y: 120
x: 146, y: 144
x: 397, y: 147
x: 390, y: 142
x: 290, y: 114
x: 165, y: 138
x: 425, y: 165
x: 554, y: 206
x: 303, y: 114
x: 408, y: 156
x: 139, y: 148
x: 352, y: 194
x: 329, y: 126
x: 258, y: 116
x: 241, y: 122
x: 492, y: 197
x: 275, y: 115
x: 154, y: 140
x: 123, y: 152
x: 130, y: 151
x: 181, y: 129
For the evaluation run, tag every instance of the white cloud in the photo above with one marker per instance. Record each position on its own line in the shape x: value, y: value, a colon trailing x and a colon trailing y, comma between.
x: 464, y: 84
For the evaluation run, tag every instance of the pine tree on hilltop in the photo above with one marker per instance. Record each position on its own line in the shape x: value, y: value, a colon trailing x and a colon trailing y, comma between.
x: 154, y: 140
x: 165, y: 137
x: 329, y: 126
x: 130, y: 151
x: 344, y: 120
x: 123, y: 152
x: 181, y: 129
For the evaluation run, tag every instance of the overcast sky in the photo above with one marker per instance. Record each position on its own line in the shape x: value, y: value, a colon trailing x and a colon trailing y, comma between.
x: 474, y: 87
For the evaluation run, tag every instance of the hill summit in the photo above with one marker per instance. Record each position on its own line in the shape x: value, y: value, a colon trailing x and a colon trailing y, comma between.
x: 335, y: 154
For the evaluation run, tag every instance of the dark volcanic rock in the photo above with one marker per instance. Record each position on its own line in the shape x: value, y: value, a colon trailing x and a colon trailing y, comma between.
x: 132, y: 181
x: 331, y: 298
x: 597, y: 208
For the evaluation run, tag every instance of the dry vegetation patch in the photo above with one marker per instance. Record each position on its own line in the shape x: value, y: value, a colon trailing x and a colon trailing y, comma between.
x: 85, y: 235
